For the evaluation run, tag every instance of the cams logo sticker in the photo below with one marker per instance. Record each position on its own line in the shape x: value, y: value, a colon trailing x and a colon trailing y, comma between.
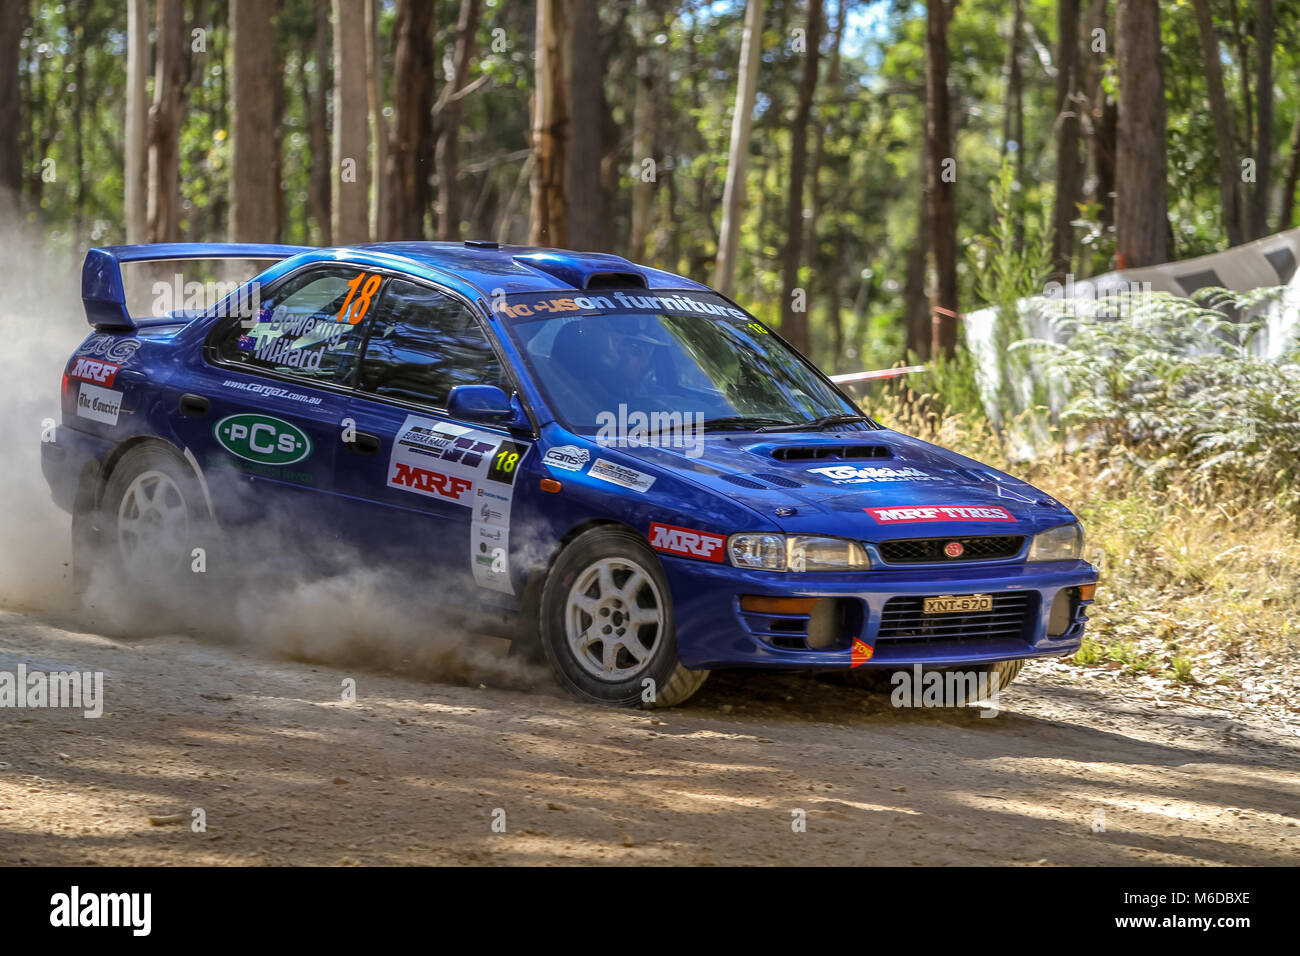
x: 262, y: 439
x: 567, y: 458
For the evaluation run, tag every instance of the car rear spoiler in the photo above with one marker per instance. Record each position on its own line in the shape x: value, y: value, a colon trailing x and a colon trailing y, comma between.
x: 104, y: 296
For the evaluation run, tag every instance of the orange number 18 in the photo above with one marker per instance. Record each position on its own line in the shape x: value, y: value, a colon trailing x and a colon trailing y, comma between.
x: 362, y: 304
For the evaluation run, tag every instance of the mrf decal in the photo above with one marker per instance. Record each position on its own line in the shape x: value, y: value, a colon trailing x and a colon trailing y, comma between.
x: 471, y: 469
x: 912, y: 515
x: 687, y: 542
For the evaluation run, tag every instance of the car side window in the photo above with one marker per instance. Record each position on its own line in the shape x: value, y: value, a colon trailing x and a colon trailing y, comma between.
x: 307, y: 327
x: 422, y: 344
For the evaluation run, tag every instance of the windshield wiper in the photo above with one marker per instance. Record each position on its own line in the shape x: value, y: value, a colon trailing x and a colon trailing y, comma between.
x: 744, y: 423
x: 826, y: 421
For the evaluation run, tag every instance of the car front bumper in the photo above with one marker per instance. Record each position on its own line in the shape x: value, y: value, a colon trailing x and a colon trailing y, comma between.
x: 882, y: 609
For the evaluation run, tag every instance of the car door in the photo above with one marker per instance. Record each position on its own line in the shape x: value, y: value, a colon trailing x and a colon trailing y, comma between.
x: 433, y: 492
x: 263, y: 412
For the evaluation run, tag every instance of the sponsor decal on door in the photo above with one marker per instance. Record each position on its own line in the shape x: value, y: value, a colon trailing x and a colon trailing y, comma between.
x: 468, y: 467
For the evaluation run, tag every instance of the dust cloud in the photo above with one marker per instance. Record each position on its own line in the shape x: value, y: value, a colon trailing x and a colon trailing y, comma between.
x: 264, y: 598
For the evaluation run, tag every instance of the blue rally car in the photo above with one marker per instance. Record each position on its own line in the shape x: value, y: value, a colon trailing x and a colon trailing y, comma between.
x: 644, y: 476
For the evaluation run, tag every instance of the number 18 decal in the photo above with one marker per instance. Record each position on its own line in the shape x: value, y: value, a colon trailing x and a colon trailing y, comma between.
x: 505, y: 463
x: 355, y: 311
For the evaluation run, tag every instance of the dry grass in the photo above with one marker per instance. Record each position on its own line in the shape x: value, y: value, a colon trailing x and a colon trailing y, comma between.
x: 1197, y: 588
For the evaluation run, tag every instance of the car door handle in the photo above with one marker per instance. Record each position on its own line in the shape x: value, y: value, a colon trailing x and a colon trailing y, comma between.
x: 364, y: 444
x: 194, y: 406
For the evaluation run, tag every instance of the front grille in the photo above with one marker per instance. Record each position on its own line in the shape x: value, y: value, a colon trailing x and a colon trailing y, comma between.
x: 930, y: 550
x: 904, y: 620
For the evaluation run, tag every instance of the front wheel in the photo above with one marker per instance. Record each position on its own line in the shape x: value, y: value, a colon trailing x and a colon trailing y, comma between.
x: 607, y: 625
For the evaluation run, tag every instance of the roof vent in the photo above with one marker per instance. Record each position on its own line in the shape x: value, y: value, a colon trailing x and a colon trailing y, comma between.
x: 615, y: 280
x: 482, y: 244
x: 578, y: 269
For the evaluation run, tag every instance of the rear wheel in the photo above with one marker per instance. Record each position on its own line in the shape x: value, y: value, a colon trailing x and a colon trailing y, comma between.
x: 607, y: 625
x: 151, y: 519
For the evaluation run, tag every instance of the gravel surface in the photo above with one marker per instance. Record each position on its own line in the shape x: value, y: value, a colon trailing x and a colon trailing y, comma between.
x: 1080, y: 766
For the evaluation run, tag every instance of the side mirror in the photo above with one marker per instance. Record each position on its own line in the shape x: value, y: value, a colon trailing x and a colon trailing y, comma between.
x: 486, y: 404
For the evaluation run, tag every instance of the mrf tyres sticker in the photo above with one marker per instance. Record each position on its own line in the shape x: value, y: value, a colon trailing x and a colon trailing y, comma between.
x: 620, y: 475
x: 687, y: 542
x: 98, y: 404
x: 940, y: 513
x: 470, y: 469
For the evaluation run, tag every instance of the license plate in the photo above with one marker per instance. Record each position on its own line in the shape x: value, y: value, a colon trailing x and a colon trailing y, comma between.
x: 958, y: 604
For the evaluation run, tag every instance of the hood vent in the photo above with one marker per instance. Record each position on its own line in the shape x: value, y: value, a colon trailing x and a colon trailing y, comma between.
x: 743, y: 482
x: 781, y: 481
x: 830, y: 452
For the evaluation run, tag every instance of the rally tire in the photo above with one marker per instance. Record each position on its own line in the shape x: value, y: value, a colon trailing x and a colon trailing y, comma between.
x: 150, y: 518
x: 1007, y: 671
x: 607, y: 625
x: 877, y: 679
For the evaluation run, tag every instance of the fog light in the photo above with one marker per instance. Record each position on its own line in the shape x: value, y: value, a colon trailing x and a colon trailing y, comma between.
x: 1062, y: 612
x: 824, y: 626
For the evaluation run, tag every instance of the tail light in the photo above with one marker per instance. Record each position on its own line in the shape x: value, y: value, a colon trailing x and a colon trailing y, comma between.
x: 68, y: 396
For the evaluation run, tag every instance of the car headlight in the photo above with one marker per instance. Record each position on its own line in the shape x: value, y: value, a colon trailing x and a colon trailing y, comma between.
x: 1058, y: 544
x: 796, y: 552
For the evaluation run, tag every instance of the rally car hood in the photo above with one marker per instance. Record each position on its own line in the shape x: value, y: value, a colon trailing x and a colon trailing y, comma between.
x: 870, y: 485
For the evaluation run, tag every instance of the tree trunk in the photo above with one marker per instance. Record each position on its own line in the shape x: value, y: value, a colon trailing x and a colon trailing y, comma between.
x: 165, y: 124
x: 942, y: 198
x: 350, y: 196
x: 1224, y: 133
x: 819, y: 144
x: 916, y: 314
x: 742, y: 121
x: 1099, y: 179
x: 795, y: 321
x: 587, y: 207
x: 1069, y: 168
x: 550, y: 129
x: 449, y: 120
x: 1287, y: 217
x: 378, y: 125
x: 1141, y: 220
x: 411, y: 144
x: 644, y: 126
x: 1264, y: 34
x: 318, y: 187
x: 78, y: 30
x: 1013, y: 126
x: 252, y: 165
x: 137, y: 118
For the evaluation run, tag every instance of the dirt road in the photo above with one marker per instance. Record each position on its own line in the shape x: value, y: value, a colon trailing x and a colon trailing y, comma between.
x: 415, y: 771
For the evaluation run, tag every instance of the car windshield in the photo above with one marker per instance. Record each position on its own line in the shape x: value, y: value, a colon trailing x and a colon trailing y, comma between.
x: 685, y: 353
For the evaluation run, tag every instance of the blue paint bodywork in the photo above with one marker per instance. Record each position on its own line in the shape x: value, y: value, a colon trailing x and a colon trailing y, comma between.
x: 737, y: 484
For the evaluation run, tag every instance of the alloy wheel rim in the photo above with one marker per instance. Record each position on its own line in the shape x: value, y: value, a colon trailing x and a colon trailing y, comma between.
x: 152, y: 522
x: 614, y: 619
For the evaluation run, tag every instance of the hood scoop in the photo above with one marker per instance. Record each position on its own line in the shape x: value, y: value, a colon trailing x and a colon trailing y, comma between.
x: 830, y: 452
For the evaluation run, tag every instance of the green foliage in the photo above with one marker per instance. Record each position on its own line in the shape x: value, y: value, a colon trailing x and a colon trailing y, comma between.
x: 1148, y: 389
